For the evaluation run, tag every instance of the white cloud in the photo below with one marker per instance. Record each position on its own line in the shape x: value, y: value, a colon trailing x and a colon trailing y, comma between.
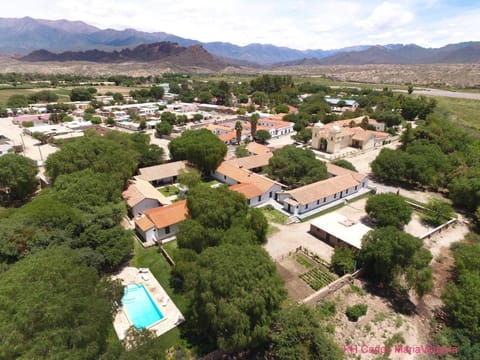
x: 300, y: 24
x: 387, y: 16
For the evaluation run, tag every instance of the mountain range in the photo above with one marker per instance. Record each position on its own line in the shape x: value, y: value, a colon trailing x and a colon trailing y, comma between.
x: 78, y: 40
x: 194, y: 55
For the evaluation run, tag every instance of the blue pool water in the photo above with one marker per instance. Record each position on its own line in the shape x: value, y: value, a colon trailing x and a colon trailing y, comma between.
x: 141, y: 308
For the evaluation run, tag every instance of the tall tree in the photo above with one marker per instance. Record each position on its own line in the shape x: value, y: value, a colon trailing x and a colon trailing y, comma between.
x: 233, y: 310
x: 200, y: 147
x: 53, y: 307
x: 293, y: 166
x: 389, y: 210
x: 392, y: 257
x: 17, y: 177
x: 253, y: 124
x: 238, y: 131
x: 297, y: 334
x: 94, y: 152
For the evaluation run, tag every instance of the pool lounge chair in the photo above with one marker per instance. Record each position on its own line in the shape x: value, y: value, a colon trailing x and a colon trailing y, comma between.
x: 165, y: 300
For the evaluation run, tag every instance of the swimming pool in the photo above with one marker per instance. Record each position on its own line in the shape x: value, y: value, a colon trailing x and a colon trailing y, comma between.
x: 140, y: 307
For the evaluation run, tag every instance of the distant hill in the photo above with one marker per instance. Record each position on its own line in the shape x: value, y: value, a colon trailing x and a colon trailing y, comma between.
x: 468, y: 52
x: 21, y: 36
x: 194, y: 55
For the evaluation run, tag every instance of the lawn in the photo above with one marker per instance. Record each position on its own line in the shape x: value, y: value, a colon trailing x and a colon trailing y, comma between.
x: 159, y: 267
x: 169, y: 190
x: 460, y: 111
x: 211, y: 182
x: 274, y: 215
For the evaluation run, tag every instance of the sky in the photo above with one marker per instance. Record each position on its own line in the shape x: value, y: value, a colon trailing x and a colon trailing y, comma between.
x: 300, y: 24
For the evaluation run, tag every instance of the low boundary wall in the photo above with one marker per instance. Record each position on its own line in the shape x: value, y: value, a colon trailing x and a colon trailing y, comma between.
x: 331, y: 288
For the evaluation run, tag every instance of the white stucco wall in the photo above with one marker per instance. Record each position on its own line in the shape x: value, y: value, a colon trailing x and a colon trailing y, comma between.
x: 143, y: 205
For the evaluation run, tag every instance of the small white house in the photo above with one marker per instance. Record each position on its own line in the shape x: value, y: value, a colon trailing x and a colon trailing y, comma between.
x: 141, y: 196
x: 162, y: 222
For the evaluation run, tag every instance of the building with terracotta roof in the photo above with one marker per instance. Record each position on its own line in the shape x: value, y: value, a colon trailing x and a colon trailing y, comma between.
x: 253, y: 162
x: 163, y: 173
x: 343, y: 183
x: 162, y: 222
x: 232, y: 175
x: 251, y: 192
x: 141, y: 195
x: 255, y: 148
x: 338, y: 135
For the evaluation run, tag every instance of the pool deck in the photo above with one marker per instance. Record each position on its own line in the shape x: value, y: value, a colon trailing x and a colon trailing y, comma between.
x: 172, y: 316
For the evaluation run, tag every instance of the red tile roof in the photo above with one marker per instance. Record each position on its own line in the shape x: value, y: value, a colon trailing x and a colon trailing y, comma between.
x: 250, y: 191
x: 168, y: 215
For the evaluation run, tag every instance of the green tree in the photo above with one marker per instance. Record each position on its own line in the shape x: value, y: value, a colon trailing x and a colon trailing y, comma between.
x: 461, y: 298
x: 465, y: 192
x: 65, y: 311
x: 152, y: 155
x: 100, y: 154
x: 189, y: 178
x: 410, y: 89
x: 253, y: 124
x: 17, y: 177
x: 110, y: 121
x: 163, y: 128
x: 118, y: 97
x: 297, y: 334
x: 200, y: 147
x: 281, y: 109
x: 43, y: 96
x: 437, y: 212
x: 259, y: 98
x: 81, y: 94
x: 42, y: 137
x: 17, y: 101
x: 238, y: 131
x: 205, y: 97
x: 293, y: 166
x: 343, y: 260
x: 392, y: 257
x: 169, y: 117
x: 304, y: 135
x: 262, y: 136
x: 388, y: 210
x: 233, y: 310
x: 157, y: 92
x: 241, y: 151
x: 142, y: 125
x: 345, y: 164
x: 390, y: 165
x: 356, y: 311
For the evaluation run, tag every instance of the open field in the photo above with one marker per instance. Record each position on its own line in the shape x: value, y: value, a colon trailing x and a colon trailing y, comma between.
x: 446, y: 76
x: 6, y: 93
x: 432, y: 75
x: 465, y: 112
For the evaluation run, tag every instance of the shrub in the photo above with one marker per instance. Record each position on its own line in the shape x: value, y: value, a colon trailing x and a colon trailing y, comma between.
x: 355, y: 311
